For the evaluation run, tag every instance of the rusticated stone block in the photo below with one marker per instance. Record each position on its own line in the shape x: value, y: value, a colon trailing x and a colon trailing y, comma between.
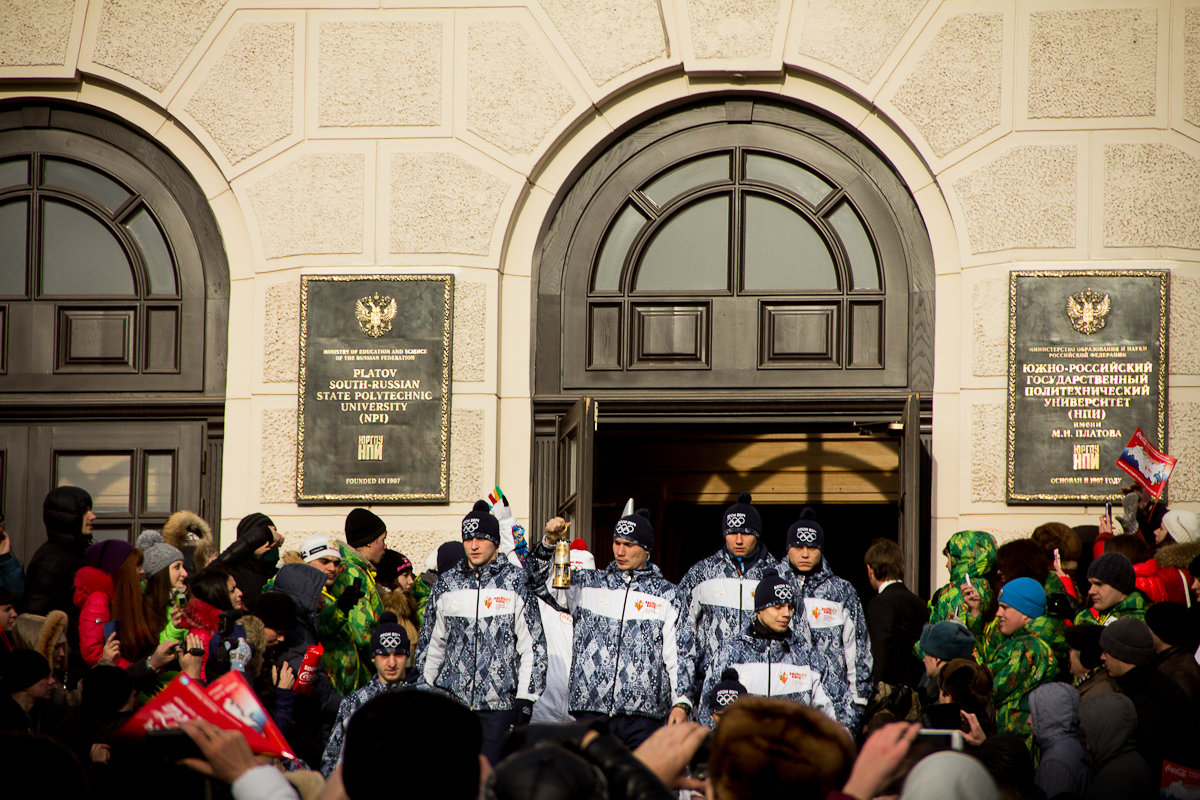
x: 609, y: 37
x: 466, y: 454
x: 245, y: 102
x: 281, y: 333
x: 989, y: 328
x: 1024, y: 198
x: 277, y: 476
x: 380, y: 73
x: 953, y: 92
x: 988, y: 445
x: 733, y: 28
x: 441, y: 203
x: 1097, y: 62
x: 514, y: 96
x: 35, y: 33
x: 856, y: 35
x: 1183, y: 420
x: 1191, y: 65
x: 470, y: 330
x: 1184, y: 321
x: 1151, y: 196
x: 312, y: 205
x: 149, y: 39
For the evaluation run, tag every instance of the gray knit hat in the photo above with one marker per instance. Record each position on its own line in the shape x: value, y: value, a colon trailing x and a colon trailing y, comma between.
x: 157, y: 555
x: 1130, y: 640
x: 1116, y: 570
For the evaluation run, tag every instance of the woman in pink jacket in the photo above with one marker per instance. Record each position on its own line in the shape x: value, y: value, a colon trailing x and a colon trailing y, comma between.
x: 108, y: 589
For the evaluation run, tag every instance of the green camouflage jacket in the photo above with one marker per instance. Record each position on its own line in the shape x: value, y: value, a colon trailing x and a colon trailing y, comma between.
x: 971, y: 553
x: 346, y: 637
x: 421, y: 592
x: 1019, y: 664
x: 1133, y: 605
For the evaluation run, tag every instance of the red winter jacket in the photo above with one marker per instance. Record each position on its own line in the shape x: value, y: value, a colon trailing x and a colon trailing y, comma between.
x: 203, y: 620
x: 1163, y: 584
x: 93, y: 595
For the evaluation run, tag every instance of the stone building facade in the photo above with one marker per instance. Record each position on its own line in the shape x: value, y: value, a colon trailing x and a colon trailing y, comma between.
x: 344, y: 137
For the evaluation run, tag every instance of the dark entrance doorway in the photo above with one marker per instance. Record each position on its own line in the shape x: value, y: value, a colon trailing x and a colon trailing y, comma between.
x: 737, y: 294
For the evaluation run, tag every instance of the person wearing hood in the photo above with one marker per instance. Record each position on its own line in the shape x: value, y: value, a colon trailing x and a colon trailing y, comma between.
x: 772, y: 658
x: 1054, y: 719
x: 1017, y: 657
x: 288, y: 638
x: 252, y: 559
x: 949, y: 775
x: 631, y: 660
x: 67, y: 514
x: 354, y: 606
x: 719, y: 590
x: 482, y: 640
x: 833, y: 614
x: 970, y: 556
x: 1107, y: 723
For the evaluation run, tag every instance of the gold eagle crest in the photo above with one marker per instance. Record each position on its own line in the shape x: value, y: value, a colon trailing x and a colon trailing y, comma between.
x: 375, y: 314
x: 1088, y: 310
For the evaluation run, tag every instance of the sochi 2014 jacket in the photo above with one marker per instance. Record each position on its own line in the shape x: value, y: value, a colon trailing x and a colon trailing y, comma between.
x: 788, y: 667
x: 831, y: 609
x: 632, y: 645
x: 719, y: 592
x: 482, y: 639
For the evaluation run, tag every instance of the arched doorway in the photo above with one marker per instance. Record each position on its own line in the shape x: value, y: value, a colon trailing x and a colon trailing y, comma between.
x: 744, y: 290
x: 113, y: 315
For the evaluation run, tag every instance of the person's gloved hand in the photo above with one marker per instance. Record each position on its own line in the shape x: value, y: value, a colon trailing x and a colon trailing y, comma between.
x: 350, y: 596
x: 240, y: 655
x: 524, y: 711
x: 556, y: 529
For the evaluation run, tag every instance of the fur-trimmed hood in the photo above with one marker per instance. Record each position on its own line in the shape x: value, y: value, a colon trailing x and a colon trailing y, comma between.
x: 89, y: 580
x: 39, y: 633
x: 191, y: 534
x: 1177, y: 555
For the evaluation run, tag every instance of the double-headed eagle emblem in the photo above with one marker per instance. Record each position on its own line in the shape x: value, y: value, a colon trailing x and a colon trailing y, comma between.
x: 1088, y: 310
x: 375, y: 314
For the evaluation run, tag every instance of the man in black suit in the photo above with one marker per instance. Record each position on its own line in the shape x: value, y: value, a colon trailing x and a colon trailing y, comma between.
x: 895, y: 616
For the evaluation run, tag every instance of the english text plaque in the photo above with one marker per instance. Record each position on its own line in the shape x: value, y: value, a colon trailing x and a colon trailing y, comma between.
x: 1087, y: 357
x: 374, y: 416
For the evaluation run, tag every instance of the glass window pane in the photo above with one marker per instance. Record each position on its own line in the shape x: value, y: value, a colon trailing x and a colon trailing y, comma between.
x: 14, y: 172
x: 674, y: 182
x: 618, y: 240
x: 788, y: 175
x: 784, y: 252
x: 160, y: 481
x: 14, y: 233
x: 690, y: 252
x: 94, y: 185
x: 120, y: 533
x: 154, y: 249
x: 864, y: 267
x: 105, y: 476
x: 80, y: 255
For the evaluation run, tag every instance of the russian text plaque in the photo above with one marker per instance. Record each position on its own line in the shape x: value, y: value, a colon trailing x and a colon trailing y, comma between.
x: 374, y: 416
x: 1087, y: 357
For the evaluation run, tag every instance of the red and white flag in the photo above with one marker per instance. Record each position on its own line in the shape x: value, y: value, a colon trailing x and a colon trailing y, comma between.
x: 1149, y: 467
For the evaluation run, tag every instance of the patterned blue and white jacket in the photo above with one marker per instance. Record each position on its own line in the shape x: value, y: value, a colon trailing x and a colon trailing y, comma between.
x: 719, y: 592
x: 481, y: 640
x: 632, y: 646
x: 789, y: 668
x: 838, y: 627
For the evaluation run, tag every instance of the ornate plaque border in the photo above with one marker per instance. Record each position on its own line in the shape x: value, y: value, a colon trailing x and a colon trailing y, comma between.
x: 443, y: 493
x: 1160, y: 428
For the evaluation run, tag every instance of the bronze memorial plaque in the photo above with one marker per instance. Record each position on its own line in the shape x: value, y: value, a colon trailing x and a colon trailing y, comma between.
x: 1087, y: 357
x: 374, y: 413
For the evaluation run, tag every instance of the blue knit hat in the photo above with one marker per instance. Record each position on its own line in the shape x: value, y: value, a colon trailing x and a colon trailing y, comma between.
x: 805, y: 532
x: 772, y: 591
x: 1025, y: 595
x: 636, y: 528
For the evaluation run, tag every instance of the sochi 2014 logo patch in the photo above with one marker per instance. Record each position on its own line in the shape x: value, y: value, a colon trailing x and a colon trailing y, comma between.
x: 735, y: 520
x: 470, y: 526
x: 783, y: 592
x: 390, y: 642
x: 726, y: 696
x: 806, y: 535
x: 625, y: 527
